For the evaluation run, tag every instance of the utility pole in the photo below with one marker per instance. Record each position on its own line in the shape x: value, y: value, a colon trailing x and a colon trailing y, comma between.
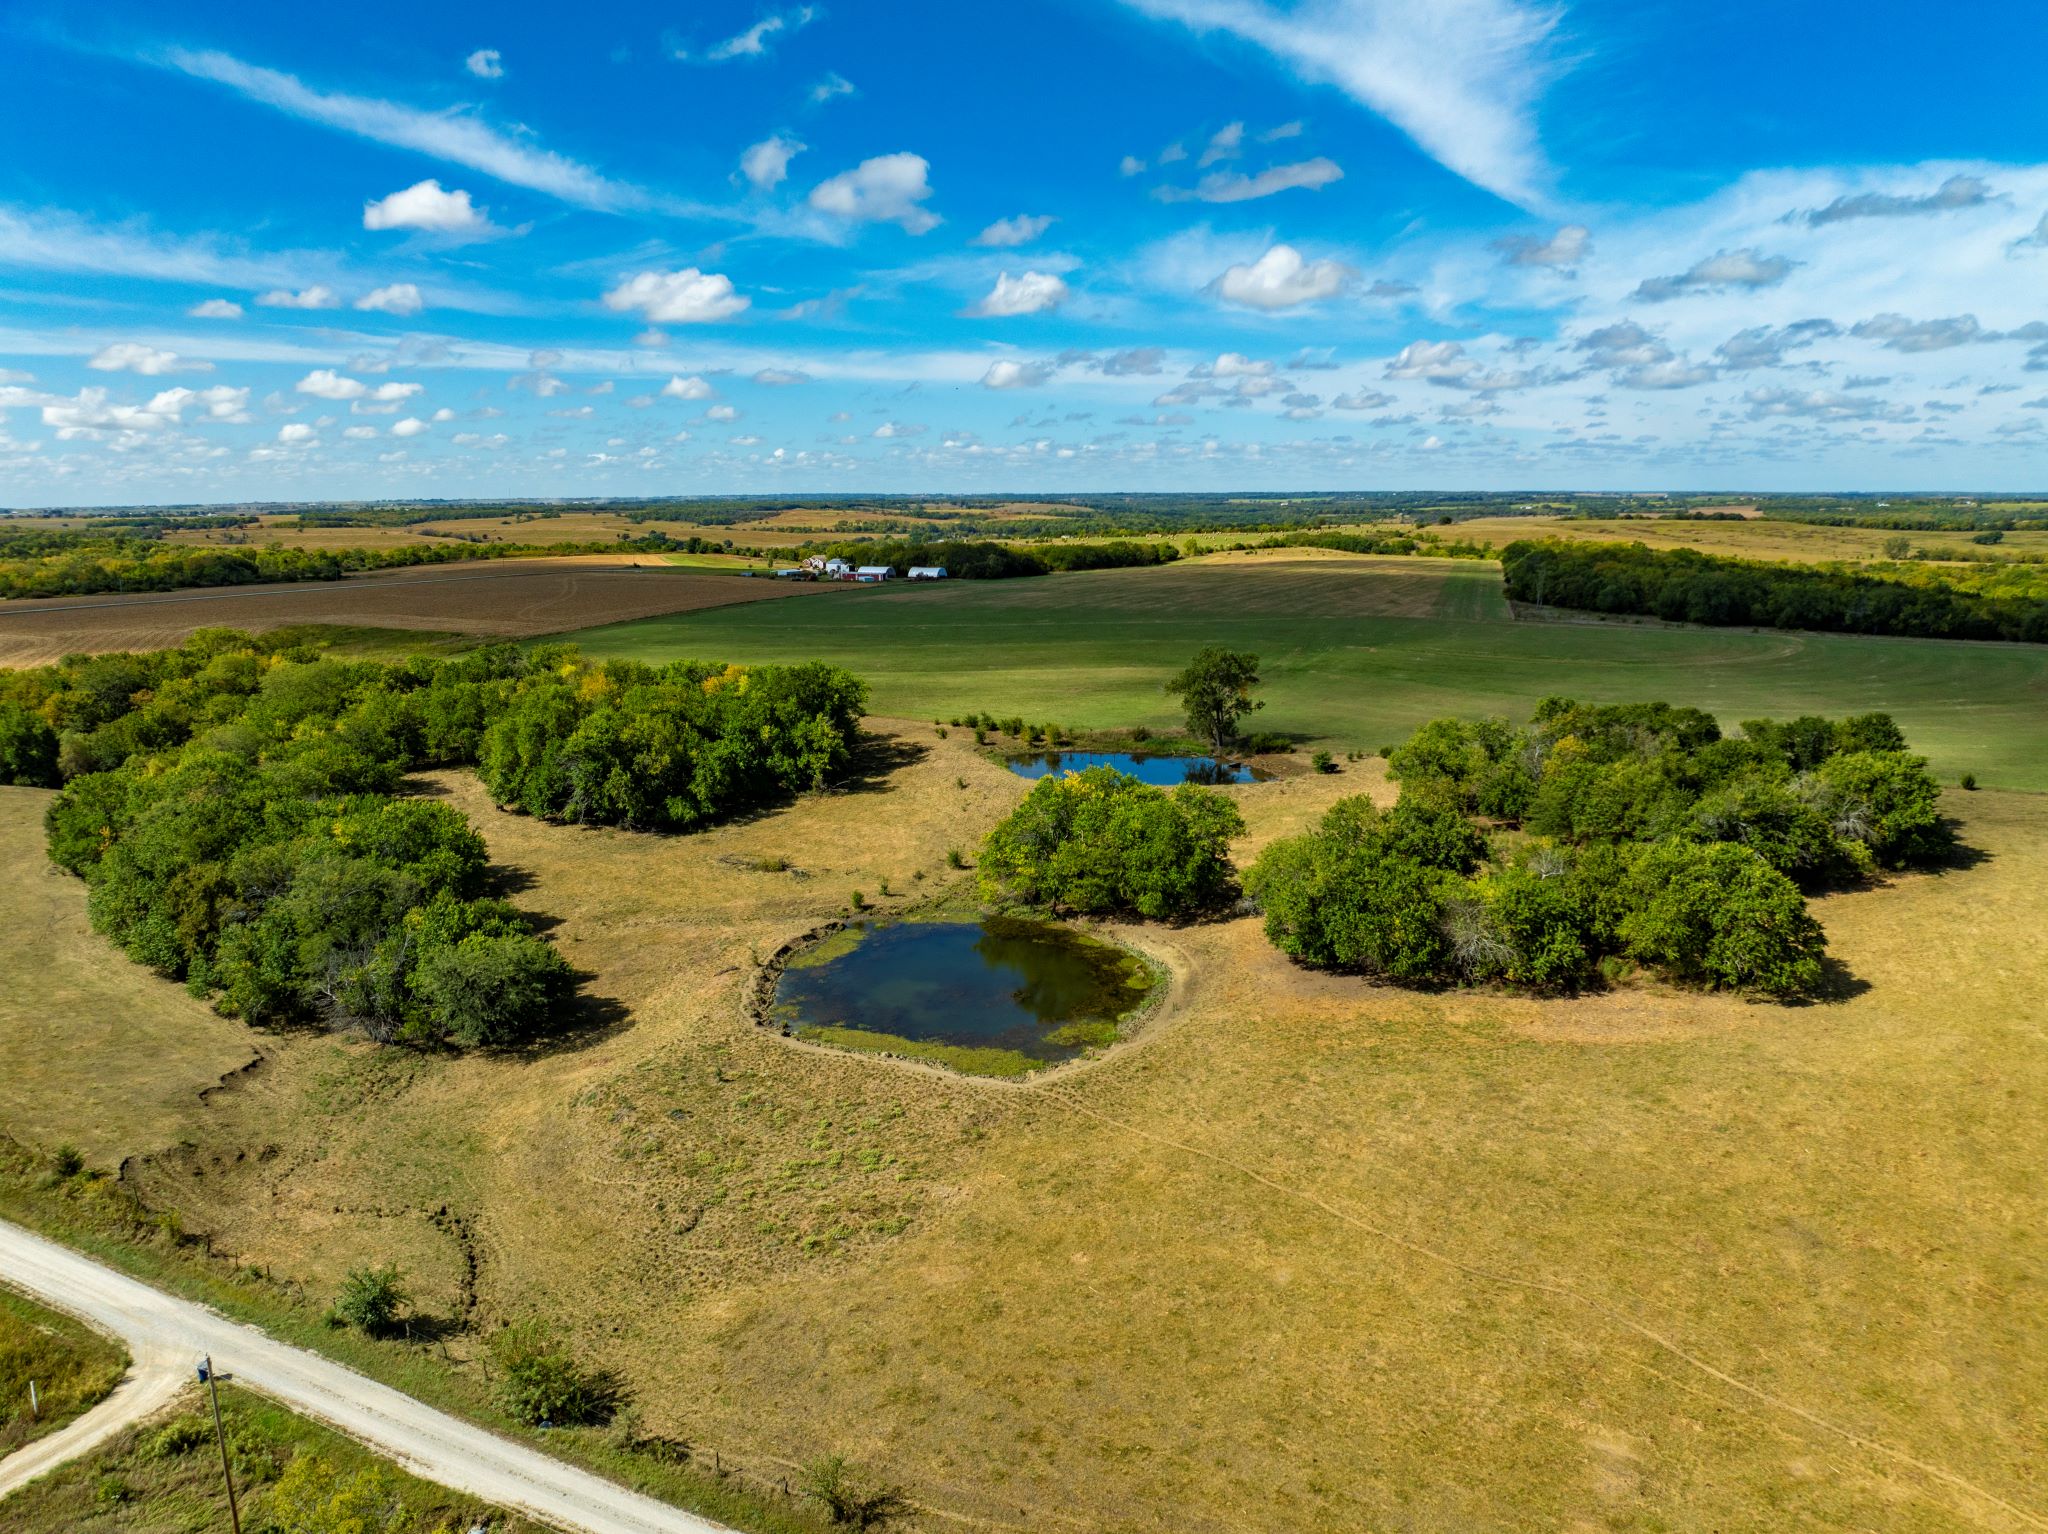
x: 220, y: 1435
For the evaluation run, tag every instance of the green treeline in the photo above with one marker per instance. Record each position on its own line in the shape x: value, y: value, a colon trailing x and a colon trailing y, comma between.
x: 89, y: 563
x: 1685, y: 586
x: 1631, y: 834
x: 236, y: 808
x: 1908, y: 516
x: 1378, y: 543
x: 982, y: 561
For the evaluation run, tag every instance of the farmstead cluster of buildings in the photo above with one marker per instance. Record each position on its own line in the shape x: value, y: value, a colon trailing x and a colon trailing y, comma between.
x: 819, y: 568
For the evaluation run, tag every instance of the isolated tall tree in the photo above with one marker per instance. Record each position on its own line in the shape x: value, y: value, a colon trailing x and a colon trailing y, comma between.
x: 1216, y: 692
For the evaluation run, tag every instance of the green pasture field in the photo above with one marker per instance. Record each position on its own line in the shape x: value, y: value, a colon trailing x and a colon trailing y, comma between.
x: 1356, y: 652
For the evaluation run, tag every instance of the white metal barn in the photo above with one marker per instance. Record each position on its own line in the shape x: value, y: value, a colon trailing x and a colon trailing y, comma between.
x: 874, y: 573
x: 927, y: 572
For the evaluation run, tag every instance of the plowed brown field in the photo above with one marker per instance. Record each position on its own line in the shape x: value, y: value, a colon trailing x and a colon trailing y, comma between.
x: 511, y: 598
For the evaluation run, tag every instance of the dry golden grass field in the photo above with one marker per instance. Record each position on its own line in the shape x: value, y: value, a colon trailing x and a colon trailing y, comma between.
x: 1752, y: 538
x: 506, y: 598
x: 1307, y: 1254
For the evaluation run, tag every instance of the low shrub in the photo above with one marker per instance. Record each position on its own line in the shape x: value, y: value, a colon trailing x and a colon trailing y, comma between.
x: 370, y: 1299
x: 850, y: 1500
x: 540, y: 1385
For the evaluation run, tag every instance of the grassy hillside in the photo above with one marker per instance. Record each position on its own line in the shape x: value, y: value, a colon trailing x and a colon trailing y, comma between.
x: 1357, y: 652
x: 1310, y: 1255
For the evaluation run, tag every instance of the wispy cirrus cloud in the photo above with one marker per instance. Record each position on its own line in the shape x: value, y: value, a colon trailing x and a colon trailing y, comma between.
x: 1956, y: 192
x: 1460, y: 77
x: 58, y: 240
x: 458, y: 137
x: 1235, y: 186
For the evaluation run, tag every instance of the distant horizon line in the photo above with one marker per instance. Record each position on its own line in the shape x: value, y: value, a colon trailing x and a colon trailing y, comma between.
x: 201, y: 507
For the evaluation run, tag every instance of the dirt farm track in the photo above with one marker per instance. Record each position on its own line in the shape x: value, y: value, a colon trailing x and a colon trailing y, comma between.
x: 509, y: 598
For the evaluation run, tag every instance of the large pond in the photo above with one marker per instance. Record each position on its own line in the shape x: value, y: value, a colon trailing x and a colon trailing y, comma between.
x: 1164, y: 771
x: 996, y: 997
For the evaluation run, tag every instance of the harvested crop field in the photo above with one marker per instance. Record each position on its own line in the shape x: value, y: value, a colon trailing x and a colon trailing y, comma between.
x: 502, y: 599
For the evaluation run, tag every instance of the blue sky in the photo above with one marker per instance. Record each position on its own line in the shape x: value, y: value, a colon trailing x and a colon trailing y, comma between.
x: 1073, y: 244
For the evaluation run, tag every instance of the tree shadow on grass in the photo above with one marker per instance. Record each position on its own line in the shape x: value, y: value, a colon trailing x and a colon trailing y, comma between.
x: 502, y: 881
x: 1961, y: 856
x: 429, y: 1331
x: 876, y: 758
x: 586, y: 1020
x: 1837, y: 984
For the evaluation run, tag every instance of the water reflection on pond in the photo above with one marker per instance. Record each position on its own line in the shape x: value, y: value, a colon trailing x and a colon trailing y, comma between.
x: 996, y: 996
x: 1164, y: 771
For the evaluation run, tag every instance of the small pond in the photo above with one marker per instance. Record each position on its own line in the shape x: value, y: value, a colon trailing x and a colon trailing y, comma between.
x: 1162, y: 770
x: 996, y: 997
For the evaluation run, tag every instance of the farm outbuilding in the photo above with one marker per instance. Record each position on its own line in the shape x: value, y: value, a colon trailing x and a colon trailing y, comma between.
x: 927, y: 572
x: 874, y: 573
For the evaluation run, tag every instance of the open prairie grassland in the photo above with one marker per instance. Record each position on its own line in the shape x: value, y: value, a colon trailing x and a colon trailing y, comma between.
x: 1356, y: 652
x: 509, y: 598
x: 1305, y: 1254
x: 1308, y: 1254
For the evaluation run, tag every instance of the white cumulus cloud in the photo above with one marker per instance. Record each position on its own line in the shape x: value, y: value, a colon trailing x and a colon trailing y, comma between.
x: 766, y: 164
x: 686, y: 297
x: 326, y: 383
x: 1282, y: 279
x: 888, y: 189
x: 315, y: 297
x: 133, y: 357
x: 679, y: 387
x: 1006, y: 374
x: 1031, y: 293
x: 424, y: 205
x: 215, y: 309
x: 486, y: 64
x: 400, y: 298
